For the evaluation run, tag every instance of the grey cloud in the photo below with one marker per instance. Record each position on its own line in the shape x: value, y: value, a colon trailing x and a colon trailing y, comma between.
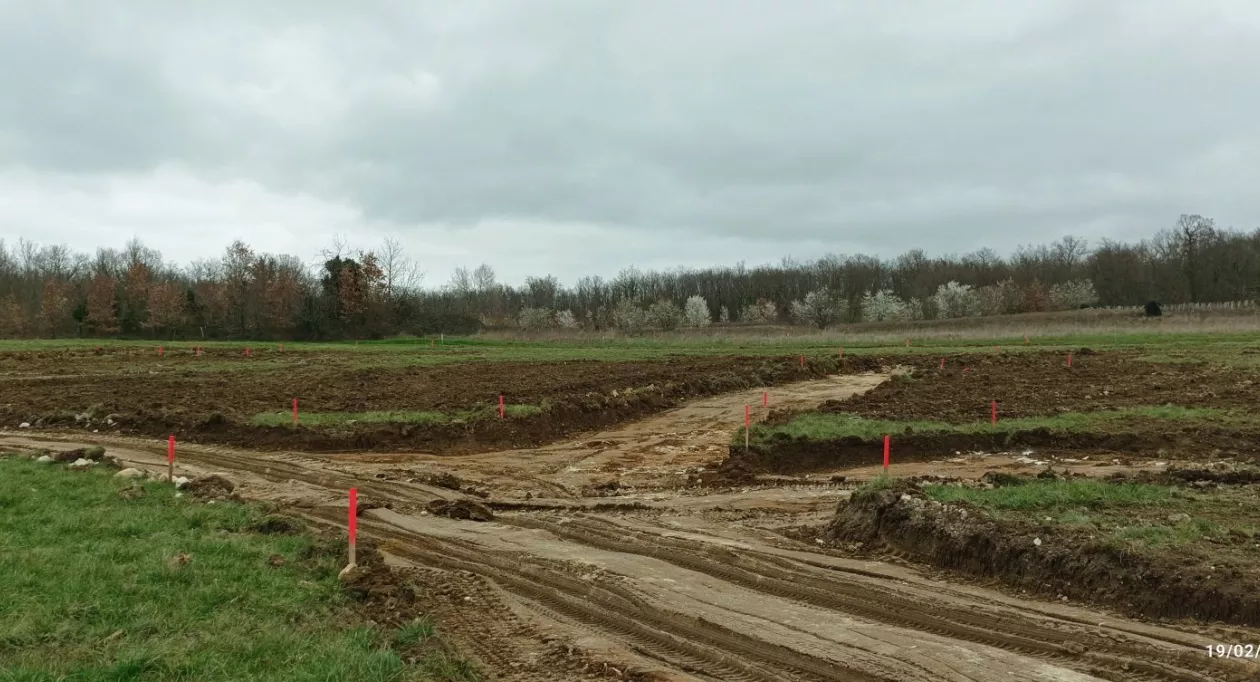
x: 884, y: 126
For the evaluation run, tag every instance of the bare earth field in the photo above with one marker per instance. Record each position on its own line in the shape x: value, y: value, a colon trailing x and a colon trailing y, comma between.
x: 634, y: 538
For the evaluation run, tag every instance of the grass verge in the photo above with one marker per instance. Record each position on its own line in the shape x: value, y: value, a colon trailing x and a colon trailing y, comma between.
x: 150, y: 586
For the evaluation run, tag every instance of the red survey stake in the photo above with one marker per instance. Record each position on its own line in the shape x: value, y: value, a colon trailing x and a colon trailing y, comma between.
x: 354, y: 521
x: 170, y: 458
x: 887, y: 450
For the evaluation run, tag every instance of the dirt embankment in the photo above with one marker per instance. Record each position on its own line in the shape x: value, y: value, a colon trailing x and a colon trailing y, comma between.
x: 1054, y: 562
x: 576, y: 396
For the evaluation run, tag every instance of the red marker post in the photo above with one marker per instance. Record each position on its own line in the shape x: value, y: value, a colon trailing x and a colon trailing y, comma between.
x: 248, y: 354
x: 354, y: 521
x: 887, y: 451
x: 295, y: 412
x: 198, y: 352
x: 170, y: 459
x: 942, y: 363
x: 501, y: 406
x: 160, y: 352
x: 1069, y: 359
x: 995, y: 413
x: 802, y: 361
x: 747, y: 424
x: 765, y: 398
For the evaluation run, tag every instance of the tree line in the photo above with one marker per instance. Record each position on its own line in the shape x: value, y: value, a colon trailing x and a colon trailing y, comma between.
x: 52, y: 291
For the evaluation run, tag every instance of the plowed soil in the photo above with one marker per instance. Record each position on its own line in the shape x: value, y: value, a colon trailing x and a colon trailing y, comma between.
x: 1035, y: 384
x: 608, y: 557
x: 151, y: 395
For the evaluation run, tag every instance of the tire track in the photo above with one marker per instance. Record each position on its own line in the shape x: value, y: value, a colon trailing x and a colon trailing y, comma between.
x: 687, y: 642
x: 879, y: 604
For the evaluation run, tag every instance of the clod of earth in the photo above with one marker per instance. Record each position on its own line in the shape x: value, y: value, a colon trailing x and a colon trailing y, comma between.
x: 465, y: 510
x: 212, y: 487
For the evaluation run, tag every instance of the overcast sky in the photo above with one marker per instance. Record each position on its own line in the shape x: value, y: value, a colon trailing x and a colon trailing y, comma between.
x: 578, y: 137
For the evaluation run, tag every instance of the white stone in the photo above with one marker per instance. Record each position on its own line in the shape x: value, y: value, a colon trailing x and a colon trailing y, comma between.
x: 24, y: 425
x: 45, y: 459
x: 1037, y: 541
x: 82, y: 464
x: 129, y: 473
x: 181, y: 481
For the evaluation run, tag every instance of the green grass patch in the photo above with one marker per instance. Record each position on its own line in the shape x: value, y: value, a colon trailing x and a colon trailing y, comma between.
x: 343, y: 419
x: 832, y: 426
x: 91, y: 590
x: 1061, y: 495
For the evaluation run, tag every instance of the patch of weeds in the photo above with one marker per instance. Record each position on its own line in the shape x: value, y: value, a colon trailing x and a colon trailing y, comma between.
x: 416, y: 632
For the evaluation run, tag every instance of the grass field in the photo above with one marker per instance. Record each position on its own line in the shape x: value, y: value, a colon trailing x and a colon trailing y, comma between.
x: 93, y: 587
x: 1233, y: 340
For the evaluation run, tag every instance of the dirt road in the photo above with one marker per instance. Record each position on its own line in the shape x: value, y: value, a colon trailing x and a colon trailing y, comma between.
x: 667, y: 581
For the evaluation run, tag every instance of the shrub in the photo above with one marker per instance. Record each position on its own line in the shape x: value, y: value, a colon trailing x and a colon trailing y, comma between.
x: 724, y: 315
x: 665, y: 314
x: 818, y: 309
x: 956, y: 300
x: 883, y: 305
x: 566, y: 320
x: 696, y: 312
x: 1077, y: 293
x: 629, y: 317
x: 533, y: 319
x: 761, y: 312
x: 1154, y: 309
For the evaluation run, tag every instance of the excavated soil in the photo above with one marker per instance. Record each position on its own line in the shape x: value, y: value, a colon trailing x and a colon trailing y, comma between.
x: 1051, y: 560
x: 155, y: 396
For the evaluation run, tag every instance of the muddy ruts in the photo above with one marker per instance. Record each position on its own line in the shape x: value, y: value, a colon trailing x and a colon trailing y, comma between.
x: 1102, y: 656
x: 677, y: 639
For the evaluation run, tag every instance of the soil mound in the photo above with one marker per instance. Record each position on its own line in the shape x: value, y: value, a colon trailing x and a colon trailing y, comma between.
x: 1052, y: 561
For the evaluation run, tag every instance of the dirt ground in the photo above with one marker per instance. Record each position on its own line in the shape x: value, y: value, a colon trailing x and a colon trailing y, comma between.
x: 608, y: 557
x: 212, y: 398
x: 1036, y: 384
